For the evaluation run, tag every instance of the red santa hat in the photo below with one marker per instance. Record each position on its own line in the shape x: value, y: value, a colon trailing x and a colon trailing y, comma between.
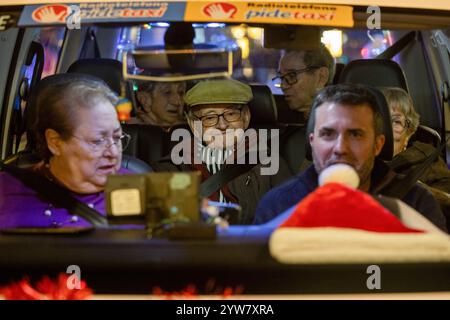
x: 339, y: 224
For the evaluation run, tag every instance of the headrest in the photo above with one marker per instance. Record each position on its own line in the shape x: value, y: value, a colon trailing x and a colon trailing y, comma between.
x: 387, y: 151
x: 109, y: 70
x: 337, y: 72
x: 262, y: 107
x: 426, y: 135
x: 374, y: 72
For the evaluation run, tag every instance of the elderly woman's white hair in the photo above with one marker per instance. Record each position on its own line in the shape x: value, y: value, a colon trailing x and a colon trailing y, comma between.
x: 399, y: 100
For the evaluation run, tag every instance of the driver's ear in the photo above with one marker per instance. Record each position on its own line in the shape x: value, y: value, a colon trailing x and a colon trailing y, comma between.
x: 53, y: 139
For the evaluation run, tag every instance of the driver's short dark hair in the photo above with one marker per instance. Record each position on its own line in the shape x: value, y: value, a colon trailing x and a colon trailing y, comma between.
x: 351, y: 95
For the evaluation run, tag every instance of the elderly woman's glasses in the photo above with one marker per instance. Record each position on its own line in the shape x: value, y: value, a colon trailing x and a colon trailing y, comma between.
x: 105, y: 143
x: 213, y: 118
x: 290, y: 78
x: 400, y: 124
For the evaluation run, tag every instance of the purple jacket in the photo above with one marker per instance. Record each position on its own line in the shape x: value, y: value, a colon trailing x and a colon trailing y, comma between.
x: 21, y: 206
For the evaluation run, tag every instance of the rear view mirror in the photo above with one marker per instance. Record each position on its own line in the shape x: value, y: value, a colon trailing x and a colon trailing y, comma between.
x: 292, y: 37
x: 150, y: 64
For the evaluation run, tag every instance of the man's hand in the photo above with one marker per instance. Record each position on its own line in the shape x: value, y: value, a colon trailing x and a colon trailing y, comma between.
x: 49, y: 15
x: 216, y: 11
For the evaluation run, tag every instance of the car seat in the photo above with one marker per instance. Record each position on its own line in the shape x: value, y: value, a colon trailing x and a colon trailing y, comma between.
x: 385, y: 73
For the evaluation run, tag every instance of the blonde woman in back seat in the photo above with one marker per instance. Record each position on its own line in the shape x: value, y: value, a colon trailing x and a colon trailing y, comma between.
x: 409, y: 155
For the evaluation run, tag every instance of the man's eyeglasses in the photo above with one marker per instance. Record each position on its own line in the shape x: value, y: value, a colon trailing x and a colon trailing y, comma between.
x: 400, y: 123
x: 213, y: 119
x: 290, y: 78
x: 105, y: 143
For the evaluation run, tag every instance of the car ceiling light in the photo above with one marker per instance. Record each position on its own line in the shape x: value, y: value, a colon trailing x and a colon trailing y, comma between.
x: 215, y: 25
x: 160, y: 24
x: 332, y: 39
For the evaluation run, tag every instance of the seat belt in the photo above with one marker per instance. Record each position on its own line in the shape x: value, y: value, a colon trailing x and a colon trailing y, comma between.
x: 57, y: 195
x: 398, y: 46
x: 402, y: 184
x: 89, y: 41
x: 222, y: 177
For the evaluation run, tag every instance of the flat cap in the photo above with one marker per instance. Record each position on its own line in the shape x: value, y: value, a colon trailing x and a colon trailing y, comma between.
x: 218, y: 91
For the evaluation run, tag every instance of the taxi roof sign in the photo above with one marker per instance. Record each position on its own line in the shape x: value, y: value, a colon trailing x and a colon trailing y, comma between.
x: 409, y: 4
x: 196, y: 11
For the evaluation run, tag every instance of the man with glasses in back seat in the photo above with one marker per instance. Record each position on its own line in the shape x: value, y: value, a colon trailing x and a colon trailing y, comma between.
x: 218, y: 115
x: 301, y: 75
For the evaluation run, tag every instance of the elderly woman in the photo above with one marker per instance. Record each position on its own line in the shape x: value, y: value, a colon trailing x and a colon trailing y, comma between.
x: 407, y: 155
x: 80, y: 141
x: 160, y: 104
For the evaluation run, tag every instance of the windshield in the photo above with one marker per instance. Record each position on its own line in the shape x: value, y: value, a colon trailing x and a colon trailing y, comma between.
x: 254, y: 62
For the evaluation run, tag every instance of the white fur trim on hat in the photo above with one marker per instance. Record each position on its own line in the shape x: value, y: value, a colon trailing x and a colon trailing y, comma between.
x: 342, y: 245
x: 330, y: 244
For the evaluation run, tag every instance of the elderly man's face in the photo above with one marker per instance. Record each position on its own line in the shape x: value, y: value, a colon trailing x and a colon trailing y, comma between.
x: 93, y: 151
x: 346, y: 134
x: 300, y: 94
x: 222, y: 124
x: 165, y: 103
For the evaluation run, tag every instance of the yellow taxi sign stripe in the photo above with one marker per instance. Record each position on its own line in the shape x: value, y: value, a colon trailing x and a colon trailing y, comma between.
x: 270, y: 12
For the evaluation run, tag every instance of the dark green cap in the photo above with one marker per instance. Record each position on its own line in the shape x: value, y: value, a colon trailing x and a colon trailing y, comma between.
x: 218, y: 91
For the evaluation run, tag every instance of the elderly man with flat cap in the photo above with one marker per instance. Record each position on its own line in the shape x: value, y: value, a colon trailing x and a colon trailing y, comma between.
x: 218, y: 115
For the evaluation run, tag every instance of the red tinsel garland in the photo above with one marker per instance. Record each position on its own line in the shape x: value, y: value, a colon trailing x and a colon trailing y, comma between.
x: 58, y: 289
x: 46, y: 289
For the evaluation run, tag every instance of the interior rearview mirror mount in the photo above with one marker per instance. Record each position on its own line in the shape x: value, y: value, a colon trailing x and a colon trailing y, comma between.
x: 292, y: 37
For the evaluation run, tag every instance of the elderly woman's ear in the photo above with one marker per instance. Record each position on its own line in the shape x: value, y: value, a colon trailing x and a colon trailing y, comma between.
x: 54, y: 141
